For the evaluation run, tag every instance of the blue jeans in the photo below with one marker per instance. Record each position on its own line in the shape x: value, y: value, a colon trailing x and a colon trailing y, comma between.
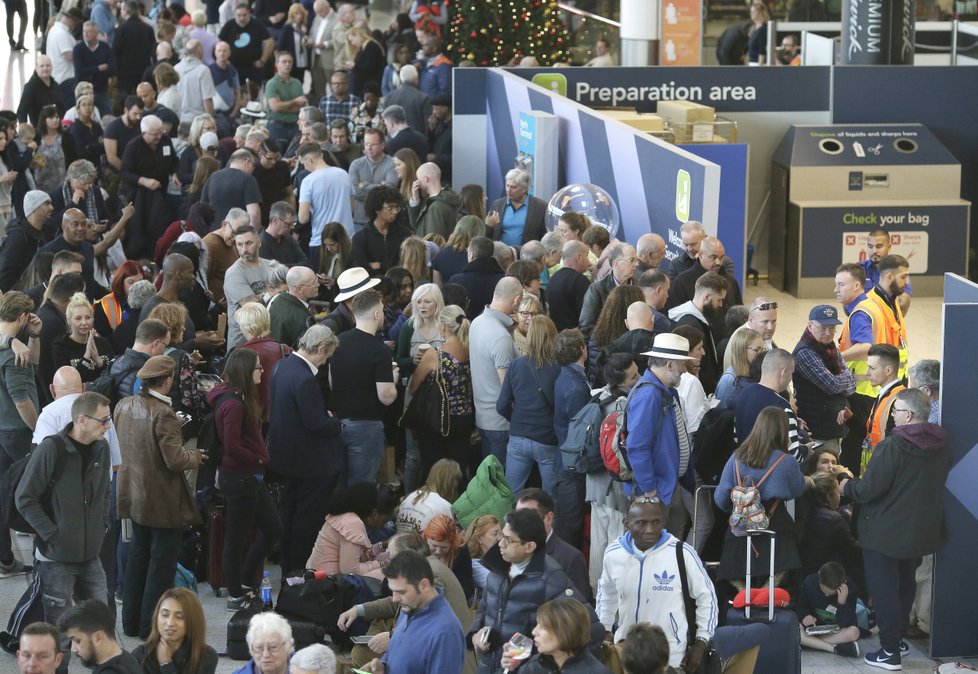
x: 281, y: 133
x: 65, y: 584
x: 494, y: 442
x: 521, y: 454
x: 364, y: 449
x: 150, y: 569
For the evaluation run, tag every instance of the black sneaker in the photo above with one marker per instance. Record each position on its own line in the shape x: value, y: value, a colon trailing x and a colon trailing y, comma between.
x: 14, y: 568
x: 904, y: 648
x: 849, y: 650
x: 237, y: 604
x: 884, y: 660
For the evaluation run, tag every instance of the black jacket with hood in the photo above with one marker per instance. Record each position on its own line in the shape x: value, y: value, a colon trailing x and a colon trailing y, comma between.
x: 901, y: 492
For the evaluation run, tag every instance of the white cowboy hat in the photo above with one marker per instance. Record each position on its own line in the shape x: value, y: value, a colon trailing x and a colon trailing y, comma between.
x: 253, y: 109
x: 668, y: 345
x: 352, y: 282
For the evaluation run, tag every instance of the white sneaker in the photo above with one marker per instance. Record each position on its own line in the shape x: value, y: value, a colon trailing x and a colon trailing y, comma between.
x: 954, y: 667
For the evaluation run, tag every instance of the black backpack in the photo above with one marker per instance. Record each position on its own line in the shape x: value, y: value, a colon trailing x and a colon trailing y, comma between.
x: 581, y: 451
x: 209, y: 441
x: 11, y: 480
x: 713, y: 443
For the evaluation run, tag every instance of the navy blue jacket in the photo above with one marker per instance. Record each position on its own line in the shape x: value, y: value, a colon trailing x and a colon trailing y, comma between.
x: 87, y: 61
x: 527, y: 400
x: 303, y: 441
x: 571, y: 393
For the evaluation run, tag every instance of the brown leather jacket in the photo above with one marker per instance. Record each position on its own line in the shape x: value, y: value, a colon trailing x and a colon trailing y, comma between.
x: 152, y: 488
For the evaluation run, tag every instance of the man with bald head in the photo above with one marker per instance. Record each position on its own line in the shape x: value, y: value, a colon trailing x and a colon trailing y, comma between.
x: 147, y: 164
x: 65, y: 389
x: 290, y: 313
x: 492, y: 350
x: 651, y: 251
x: 692, y: 233
x: 151, y: 106
x: 196, y: 84
x: 568, y: 286
x: 73, y: 237
x: 433, y: 209
x: 709, y: 258
x: 178, y: 276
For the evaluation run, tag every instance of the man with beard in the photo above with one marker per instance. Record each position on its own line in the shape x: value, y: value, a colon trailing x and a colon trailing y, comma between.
x: 878, y: 246
x: 245, y: 279
x: 251, y: 45
x: 822, y: 380
x: 710, y: 258
x: 91, y: 627
x: 884, y: 310
x: 702, y: 312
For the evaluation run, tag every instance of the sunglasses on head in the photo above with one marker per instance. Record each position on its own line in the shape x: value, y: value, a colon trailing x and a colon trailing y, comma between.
x: 767, y: 306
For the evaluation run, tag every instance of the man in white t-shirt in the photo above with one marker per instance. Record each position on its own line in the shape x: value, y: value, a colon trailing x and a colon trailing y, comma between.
x: 60, y: 44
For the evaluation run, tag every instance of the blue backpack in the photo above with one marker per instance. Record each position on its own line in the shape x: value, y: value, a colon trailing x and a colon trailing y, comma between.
x: 185, y: 578
x: 581, y: 450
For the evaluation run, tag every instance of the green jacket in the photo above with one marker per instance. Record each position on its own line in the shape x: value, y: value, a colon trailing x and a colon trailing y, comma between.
x: 435, y: 215
x: 487, y: 494
x: 288, y: 318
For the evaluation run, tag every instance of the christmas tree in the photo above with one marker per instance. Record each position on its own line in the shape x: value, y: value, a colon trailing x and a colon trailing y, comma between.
x: 498, y: 32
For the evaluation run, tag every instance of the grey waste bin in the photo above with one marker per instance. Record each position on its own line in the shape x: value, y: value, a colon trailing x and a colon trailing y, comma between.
x: 832, y: 185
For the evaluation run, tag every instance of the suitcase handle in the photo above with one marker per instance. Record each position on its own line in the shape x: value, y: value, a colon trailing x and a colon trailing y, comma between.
x: 748, y: 590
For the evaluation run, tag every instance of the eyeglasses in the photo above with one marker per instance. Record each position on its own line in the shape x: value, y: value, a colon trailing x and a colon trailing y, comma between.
x: 105, y: 422
x: 901, y: 409
x: 647, y: 499
x: 393, y: 208
x: 528, y: 314
x: 271, y: 649
x: 509, y: 541
x: 767, y: 306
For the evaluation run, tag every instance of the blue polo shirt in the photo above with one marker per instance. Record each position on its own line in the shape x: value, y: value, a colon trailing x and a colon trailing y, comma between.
x: 860, y: 325
x: 427, y: 640
x: 513, y: 223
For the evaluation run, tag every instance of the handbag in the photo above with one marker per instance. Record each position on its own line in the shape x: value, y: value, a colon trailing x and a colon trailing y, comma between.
x: 428, y: 410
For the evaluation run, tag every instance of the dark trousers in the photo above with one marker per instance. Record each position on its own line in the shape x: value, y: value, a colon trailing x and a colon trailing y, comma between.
x: 150, y: 570
x: 110, y: 548
x: 13, y: 445
x: 303, y: 511
x: 892, y: 586
x: 494, y: 442
x: 569, y: 493
x: 248, y: 504
x: 18, y: 7
x: 455, y: 447
x: 852, y: 444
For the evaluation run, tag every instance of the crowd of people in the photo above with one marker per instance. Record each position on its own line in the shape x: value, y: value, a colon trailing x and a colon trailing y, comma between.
x: 392, y: 371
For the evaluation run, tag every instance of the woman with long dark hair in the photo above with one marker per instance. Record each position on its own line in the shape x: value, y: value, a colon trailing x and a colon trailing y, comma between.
x: 178, y: 637
x: 762, y: 454
x: 55, y: 150
x: 336, y: 257
x: 237, y: 412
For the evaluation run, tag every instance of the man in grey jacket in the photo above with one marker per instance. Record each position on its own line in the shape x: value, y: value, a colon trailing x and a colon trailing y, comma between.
x: 64, y: 495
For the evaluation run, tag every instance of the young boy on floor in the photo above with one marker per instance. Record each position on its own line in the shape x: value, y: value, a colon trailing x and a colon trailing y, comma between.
x: 829, y: 598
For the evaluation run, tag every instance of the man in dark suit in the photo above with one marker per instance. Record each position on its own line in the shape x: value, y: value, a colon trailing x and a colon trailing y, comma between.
x: 133, y: 47
x: 401, y: 135
x: 570, y: 558
x: 521, y: 216
x: 567, y: 288
x: 480, y: 276
x: 303, y: 444
x: 417, y: 106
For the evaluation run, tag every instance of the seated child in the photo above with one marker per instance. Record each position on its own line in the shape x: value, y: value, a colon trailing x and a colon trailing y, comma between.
x: 829, y: 598
x: 644, y: 650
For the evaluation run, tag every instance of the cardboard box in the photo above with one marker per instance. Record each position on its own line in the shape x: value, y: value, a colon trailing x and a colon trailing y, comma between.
x: 647, y: 122
x: 679, y: 113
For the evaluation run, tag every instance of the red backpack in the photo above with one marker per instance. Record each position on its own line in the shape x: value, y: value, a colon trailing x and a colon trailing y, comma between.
x: 614, y: 436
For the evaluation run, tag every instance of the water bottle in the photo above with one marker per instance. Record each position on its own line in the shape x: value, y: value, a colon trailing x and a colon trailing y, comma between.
x: 266, y: 592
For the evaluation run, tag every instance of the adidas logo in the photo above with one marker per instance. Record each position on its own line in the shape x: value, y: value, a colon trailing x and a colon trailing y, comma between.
x: 664, y: 578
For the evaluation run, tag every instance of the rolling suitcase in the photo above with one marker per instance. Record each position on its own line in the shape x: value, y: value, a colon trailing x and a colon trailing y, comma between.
x: 781, y: 651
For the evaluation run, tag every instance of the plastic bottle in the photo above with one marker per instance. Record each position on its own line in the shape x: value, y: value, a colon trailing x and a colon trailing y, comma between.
x: 266, y: 592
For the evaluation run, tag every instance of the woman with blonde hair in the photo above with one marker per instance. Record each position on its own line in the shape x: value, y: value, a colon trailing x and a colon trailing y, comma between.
x: 81, y: 347
x: 435, y: 497
x: 200, y: 125
x: 484, y: 532
x: 294, y: 39
x: 177, y: 637
x: 454, y: 255
x: 255, y: 325
x: 527, y: 401
x: 447, y: 544
x: 743, y: 348
x: 449, y: 362
x: 757, y: 43
x: 369, y: 60
x: 185, y: 392
x: 414, y: 258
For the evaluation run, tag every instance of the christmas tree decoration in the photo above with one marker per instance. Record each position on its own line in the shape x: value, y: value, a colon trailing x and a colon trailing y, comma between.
x: 501, y: 32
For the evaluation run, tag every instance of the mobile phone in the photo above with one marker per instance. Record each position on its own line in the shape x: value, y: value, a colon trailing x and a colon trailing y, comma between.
x: 362, y: 640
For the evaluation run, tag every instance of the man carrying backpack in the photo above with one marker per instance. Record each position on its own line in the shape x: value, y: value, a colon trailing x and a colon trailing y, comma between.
x: 74, y: 464
x: 658, y: 447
